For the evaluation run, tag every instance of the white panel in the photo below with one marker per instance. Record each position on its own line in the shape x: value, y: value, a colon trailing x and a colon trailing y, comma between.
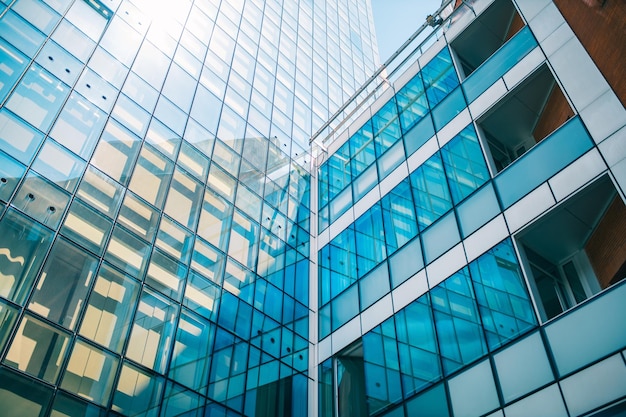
x: 323, y: 238
x: 485, y: 238
x: 410, y: 290
x: 394, y: 179
x: 386, y: 95
x: 487, y: 99
x: 345, y: 220
x: 556, y: 39
x: 572, y: 64
x: 604, y: 117
x: 376, y: 314
x: 523, y: 367
x: 546, y: 22
x: 523, y: 68
x: 324, y: 350
x: 529, y: 207
x: 346, y: 334
x: 613, y: 149
x: 595, y: 386
x: 422, y: 154
x: 530, y: 8
x: 473, y: 393
x: 337, y: 142
x: 547, y: 402
x: 574, y: 176
x: 366, y: 202
x: 455, y: 125
x: 619, y: 172
x: 446, y: 265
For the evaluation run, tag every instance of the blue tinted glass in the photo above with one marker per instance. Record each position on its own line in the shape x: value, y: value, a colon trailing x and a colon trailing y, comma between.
x: 412, y: 103
x: 362, y: 149
x: 499, y: 63
x: 419, y: 134
x: 440, y: 237
x: 386, y: 127
x: 460, y: 335
x: 417, y: 346
x: 546, y: 159
x: 504, y: 304
x: 399, y: 216
x: 478, y: 210
x: 322, y: 173
x: 448, y: 108
x: 370, y: 240
x: 433, y: 403
x: 439, y: 77
x: 464, y: 163
x: 339, y: 173
x: 430, y: 191
x: 11, y: 173
x: 342, y: 261
x: 382, y: 376
x: 13, y: 64
x: 345, y: 307
x: 21, y: 34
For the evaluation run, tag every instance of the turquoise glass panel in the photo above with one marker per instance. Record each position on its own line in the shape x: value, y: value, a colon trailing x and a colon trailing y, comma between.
x: 440, y: 237
x: 503, y: 301
x: 374, y: 285
x: 339, y: 172
x: 344, y: 307
x: 406, y: 262
x: 499, y: 63
x: 370, y: 240
x: 417, y: 346
x: 418, y: 135
x: 399, y: 217
x: 21, y: 34
x: 386, y: 127
x: 343, y: 261
x: 362, y: 149
x: 18, y: 138
x: 13, y: 64
x: 11, y: 173
x: 459, y: 330
x: 464, y: 164
x: 412, y: 103
x: 478, y: 210
x: 382, y: 367
x: 430, y: 191
x: 448, y: 108
x: 439, y: 77
x: 432, y: 403
x: 551, y: 155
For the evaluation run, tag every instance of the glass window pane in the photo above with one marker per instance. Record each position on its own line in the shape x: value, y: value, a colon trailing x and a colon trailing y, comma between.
x: 153, y: 329
x: 11, y: 173
x: 38, y: 349
x: 8, y: 314
x: 127, y: 252
x: 100, y: 191
x: 406, y: 262
x: 439, y: 77
x: 87, y: 227
x: 433, y: 403
x: 370, y: 240
x: 151, y: 176
x: 27, y: 397
x: 63, y: 285
x: 163, y: 138
x: 73, y: 40
x: 131, y: 115
x: 13, y: 64
x: 137, y: 392
x: 184, y: 199
x: 116, y: 152
x: 478, y: 210
x: 215, y: 219
x: 42, y: 200
x: 166, y: 275
x: 202, y: 296
x: 193, y: 161
x: 208, y: 261
x: 458, y: 325
x: 193, y: 348
x: 174, y: 239
x: 79, y: 126
x: 17, y: 138
x: 412, y: 103
x: 21, y: 254
x: 138, y: 216
x: 38, y: 98
x: 59, y: 166
x: 386, y: 127
x: 221, y: 182
x: 121, y: 41
x: 244, y: 240
x: 399, y: 216
x: 469, y: 398
x: 440, y: 237
x: 464, y: 163
x: 67, y: 406
x: 448, y: 108
x: 85, y: 17
x: 110, y: 308
x: 90, y: 373
x: 344, y: 307
x: 59, y: 62
x: 430, y: 191
x: 21, y: 34
x: 374, y: 285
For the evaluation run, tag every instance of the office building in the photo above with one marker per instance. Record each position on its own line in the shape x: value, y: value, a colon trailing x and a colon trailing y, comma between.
x: 154, y: 204
x: 471, y: 222
x: 199, y: 218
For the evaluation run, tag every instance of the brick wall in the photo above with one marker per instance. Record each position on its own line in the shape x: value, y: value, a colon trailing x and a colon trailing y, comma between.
x: 601, y: 27
x: 556, y: 112
x: 606, y: 248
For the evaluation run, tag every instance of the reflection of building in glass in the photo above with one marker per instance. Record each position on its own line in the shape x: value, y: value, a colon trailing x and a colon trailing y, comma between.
x: 451, y: 243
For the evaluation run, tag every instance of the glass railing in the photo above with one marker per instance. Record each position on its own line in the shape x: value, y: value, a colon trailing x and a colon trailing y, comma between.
x: 499, y: 63
x: 547, y: 158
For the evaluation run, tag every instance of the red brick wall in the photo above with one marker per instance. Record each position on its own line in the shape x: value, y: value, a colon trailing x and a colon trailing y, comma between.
x: 601, y: 27
x: 556, y: 112
x: 606, y: 248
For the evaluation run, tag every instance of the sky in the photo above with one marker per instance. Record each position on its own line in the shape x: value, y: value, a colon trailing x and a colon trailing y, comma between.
x: 396, y: 20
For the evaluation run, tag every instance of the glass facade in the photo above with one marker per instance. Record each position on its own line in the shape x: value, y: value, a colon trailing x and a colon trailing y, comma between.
x: 175, y: 240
